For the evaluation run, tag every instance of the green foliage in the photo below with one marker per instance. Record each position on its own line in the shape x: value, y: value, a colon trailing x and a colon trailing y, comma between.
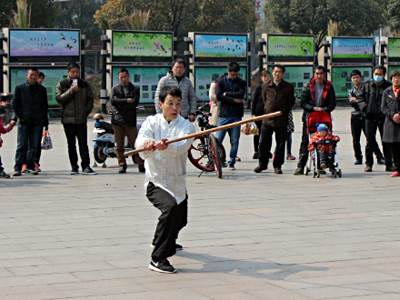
x: 80, y: 15
x: 353, y: 17
x: 393, y: 15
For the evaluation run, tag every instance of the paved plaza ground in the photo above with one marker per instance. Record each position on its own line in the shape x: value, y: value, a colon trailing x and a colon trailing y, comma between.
x: 250, y: 236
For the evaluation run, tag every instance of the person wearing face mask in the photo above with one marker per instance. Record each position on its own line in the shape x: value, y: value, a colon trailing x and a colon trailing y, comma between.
x: 369, y: 100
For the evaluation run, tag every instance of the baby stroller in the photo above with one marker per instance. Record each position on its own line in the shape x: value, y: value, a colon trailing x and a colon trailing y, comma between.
x: 314, y: 118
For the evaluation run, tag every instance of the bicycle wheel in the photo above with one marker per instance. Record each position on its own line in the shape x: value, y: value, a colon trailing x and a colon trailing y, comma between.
x: 198, y: 155
x: 216, y: 155
x: 222, y: 153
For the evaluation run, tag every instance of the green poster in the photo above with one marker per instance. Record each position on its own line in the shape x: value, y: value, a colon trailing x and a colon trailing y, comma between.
x: 290, y: 48
x: 394, y: 49
x: 146, y: 79
x: 133, y: 44
x: 298, y: 76
x: 53, y: 77
x: 205, y: 76
x: 342, y: 82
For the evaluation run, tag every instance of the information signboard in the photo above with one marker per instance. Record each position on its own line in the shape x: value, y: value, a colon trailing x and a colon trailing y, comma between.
x: 341, y: 80
x: 135, y: 46
x: 352, y: 50
x: 43, y: 45
x: 394, y: 50
x: 290, y: 48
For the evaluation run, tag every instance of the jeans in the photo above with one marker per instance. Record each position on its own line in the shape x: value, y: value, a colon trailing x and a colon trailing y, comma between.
x: 27, y: 138
x: 234, y: 134
x: 370, y: 132
x: 73, y: 132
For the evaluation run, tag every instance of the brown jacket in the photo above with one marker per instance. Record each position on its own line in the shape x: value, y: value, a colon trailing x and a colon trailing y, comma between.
x: 278, y: 99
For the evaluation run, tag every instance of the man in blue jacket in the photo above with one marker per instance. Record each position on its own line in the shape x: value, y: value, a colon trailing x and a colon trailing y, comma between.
x: 230, y: 91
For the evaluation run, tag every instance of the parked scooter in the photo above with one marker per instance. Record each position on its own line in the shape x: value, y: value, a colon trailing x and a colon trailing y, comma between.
x: 104, y: 143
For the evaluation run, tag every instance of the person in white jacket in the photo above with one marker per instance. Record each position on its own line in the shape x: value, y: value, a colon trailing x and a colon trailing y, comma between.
x: 165, y: 182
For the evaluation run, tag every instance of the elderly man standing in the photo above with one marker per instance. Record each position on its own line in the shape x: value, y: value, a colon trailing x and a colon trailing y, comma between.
x: 176, y: 77
x: 124, y: 98
x: 278, y: 95
x: 30, y: 107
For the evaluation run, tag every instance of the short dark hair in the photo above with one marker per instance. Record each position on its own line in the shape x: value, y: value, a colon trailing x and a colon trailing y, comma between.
x: 278, y: 66
x: 380, y: 67
x: 355, y: 73
x: 41, y: 74
x: 33, y: 69
x: 122, y: 70
x: 320, y: 68
x: 72, y: 65
x: 179, y: 61
x: 233, y: 67
x: 169, y: 90
x: 264, y: 73
x: 394, y: 73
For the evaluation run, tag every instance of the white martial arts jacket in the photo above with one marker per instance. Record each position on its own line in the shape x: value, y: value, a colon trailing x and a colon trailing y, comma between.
x: 166, y: 169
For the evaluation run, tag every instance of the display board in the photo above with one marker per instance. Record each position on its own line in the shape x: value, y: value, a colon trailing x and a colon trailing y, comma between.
x: 290, y: 48
x: 298, y: 76
x: 145, y: 78
x: 341, y: 80
x: 53, y: 77
x: 394, y: 50
x: 204, y: 76
x: 135, y: 46
x: 43, y: 45
x: 352, y: 50
x: 220, y: 47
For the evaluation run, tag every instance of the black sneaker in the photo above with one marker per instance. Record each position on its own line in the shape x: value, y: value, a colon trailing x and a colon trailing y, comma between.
x: 162, y: 266
x: 33, y: 172
x: 74, y: 171
x: 299, y: 171
x: 3, y: 174
x: 17, y: 173
x: 259, y: 169
x: 89, y: 171
x: 122, y: 169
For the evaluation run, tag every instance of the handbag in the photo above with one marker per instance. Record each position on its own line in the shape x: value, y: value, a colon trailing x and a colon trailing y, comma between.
x: 250, y: 128
x: 46, y: 142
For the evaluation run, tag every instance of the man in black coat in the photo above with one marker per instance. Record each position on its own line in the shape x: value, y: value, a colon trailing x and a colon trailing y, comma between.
x: 370, y: 100
x: 124, y: 98
x: 30, y: 107
x: 318, y: 95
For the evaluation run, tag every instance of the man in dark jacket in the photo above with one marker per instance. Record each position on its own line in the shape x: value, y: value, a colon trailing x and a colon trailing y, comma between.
x: 358, y: 122
x: 318, y: 95
x: 278, y: 95
x: 76, y: 99
x: 124, y: 98
x: 30, y: 107
x: 370, y: 100
x: 230, y: 91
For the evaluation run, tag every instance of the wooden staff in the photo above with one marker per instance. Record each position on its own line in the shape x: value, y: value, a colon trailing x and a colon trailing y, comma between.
x: 208, y: 131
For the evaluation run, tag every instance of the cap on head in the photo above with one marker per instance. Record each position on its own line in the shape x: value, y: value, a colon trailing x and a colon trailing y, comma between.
x: 322, y: 127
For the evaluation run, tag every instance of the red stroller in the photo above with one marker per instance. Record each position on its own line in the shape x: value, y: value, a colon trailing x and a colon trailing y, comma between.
x: 313, y: 163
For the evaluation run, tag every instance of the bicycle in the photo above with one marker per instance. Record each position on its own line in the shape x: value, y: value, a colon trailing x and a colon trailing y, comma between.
x: 206, y: 152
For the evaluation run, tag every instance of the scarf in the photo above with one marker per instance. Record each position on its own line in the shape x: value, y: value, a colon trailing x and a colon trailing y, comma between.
x: 396, y: 91
x: 327, y: 85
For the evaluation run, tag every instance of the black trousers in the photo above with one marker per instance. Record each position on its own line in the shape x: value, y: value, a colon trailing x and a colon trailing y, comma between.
x: 73, y: 132
x: 396, y: 155
x: 370, y: 132
x: 256, y: 138
x: 172, y: 219
x: 264, y: 147
x: 358, y: 126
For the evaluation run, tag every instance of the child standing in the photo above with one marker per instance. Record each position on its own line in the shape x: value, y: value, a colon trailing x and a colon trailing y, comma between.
x: 326, y: 151
x: 4, y: 130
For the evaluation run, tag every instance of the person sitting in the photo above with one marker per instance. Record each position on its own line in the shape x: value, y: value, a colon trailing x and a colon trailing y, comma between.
x: 325, y: 151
